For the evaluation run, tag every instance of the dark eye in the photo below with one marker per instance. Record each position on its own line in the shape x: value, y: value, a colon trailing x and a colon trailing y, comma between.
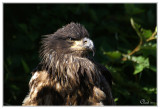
x: 70, y: 39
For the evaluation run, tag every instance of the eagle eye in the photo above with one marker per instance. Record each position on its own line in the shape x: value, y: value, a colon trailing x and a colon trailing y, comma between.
x: 70, y: 39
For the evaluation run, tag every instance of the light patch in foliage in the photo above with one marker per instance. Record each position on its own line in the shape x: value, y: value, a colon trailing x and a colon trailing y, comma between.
x: 140, y: 63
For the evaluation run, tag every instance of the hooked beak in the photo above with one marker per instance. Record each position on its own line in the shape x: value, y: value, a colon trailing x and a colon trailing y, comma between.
x: 88, y: 44
x: 85, y: 44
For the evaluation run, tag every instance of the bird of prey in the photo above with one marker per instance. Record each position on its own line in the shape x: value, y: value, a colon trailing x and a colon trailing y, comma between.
x: 67, y: 73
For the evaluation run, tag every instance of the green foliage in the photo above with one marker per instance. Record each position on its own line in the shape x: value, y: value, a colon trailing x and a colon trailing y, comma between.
x: 25, y: 66
x: 140, y: 64
x: 124, y: 36
x: 114, y: 55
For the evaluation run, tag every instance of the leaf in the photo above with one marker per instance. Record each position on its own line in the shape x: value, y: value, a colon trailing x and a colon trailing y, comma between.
x: 136, y: 27
x: 146, y: 33
x: 138, y: 69
x: 114, y: 55
x: 116, y: 99
x: 140, y: 63
x: 14, y: 87
x: 23, y: 27
x: 149, y: 49
x: 153, y: 68
x: 141, y: 32
x: 150, y: 90
x: 25, y: 66
x: 155, y: 29
x: 9, y: 60
x: 132, y: 9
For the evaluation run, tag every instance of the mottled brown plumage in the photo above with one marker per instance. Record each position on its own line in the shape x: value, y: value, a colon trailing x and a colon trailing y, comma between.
x: 67, y: 74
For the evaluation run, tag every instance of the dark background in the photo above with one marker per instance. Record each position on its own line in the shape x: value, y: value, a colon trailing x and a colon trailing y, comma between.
x: 109, y: 27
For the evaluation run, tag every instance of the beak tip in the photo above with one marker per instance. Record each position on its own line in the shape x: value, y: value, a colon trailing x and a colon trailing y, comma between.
x: 93, y: 50
x: 93, y: 54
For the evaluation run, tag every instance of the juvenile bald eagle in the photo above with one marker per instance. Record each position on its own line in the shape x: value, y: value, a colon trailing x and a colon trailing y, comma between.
x: 67, y: 74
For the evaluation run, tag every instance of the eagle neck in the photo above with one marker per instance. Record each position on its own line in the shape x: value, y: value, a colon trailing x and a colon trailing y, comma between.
x: 72, y: 68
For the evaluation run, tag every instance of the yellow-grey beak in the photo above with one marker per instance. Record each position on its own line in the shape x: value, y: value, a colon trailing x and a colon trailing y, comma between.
x: 88, y: 44
x: 84, y: 44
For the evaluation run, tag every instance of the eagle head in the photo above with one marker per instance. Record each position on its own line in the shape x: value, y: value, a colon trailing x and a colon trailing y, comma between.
x: 70, y: 39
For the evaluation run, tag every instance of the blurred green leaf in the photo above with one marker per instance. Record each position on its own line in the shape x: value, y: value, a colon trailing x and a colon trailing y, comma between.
x: 153, y: 68
x: 14, y: 87
x: 25, y: 66
x: 140, y: 63
x: 155, y: 29
x: 138, y: 69
x: 136, y: 27
x: 132, y: 9
x: 23, y: 27
x: 116, y: 99
x: 150, y: 90
x: 146, y: 33
x: 149, y: 49
x: 115, y: 55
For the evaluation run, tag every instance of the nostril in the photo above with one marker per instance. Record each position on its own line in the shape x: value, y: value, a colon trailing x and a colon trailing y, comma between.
x: 85, y: 41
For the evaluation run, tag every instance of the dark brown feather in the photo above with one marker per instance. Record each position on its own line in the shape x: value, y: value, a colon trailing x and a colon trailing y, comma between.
x: 65, y: 78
